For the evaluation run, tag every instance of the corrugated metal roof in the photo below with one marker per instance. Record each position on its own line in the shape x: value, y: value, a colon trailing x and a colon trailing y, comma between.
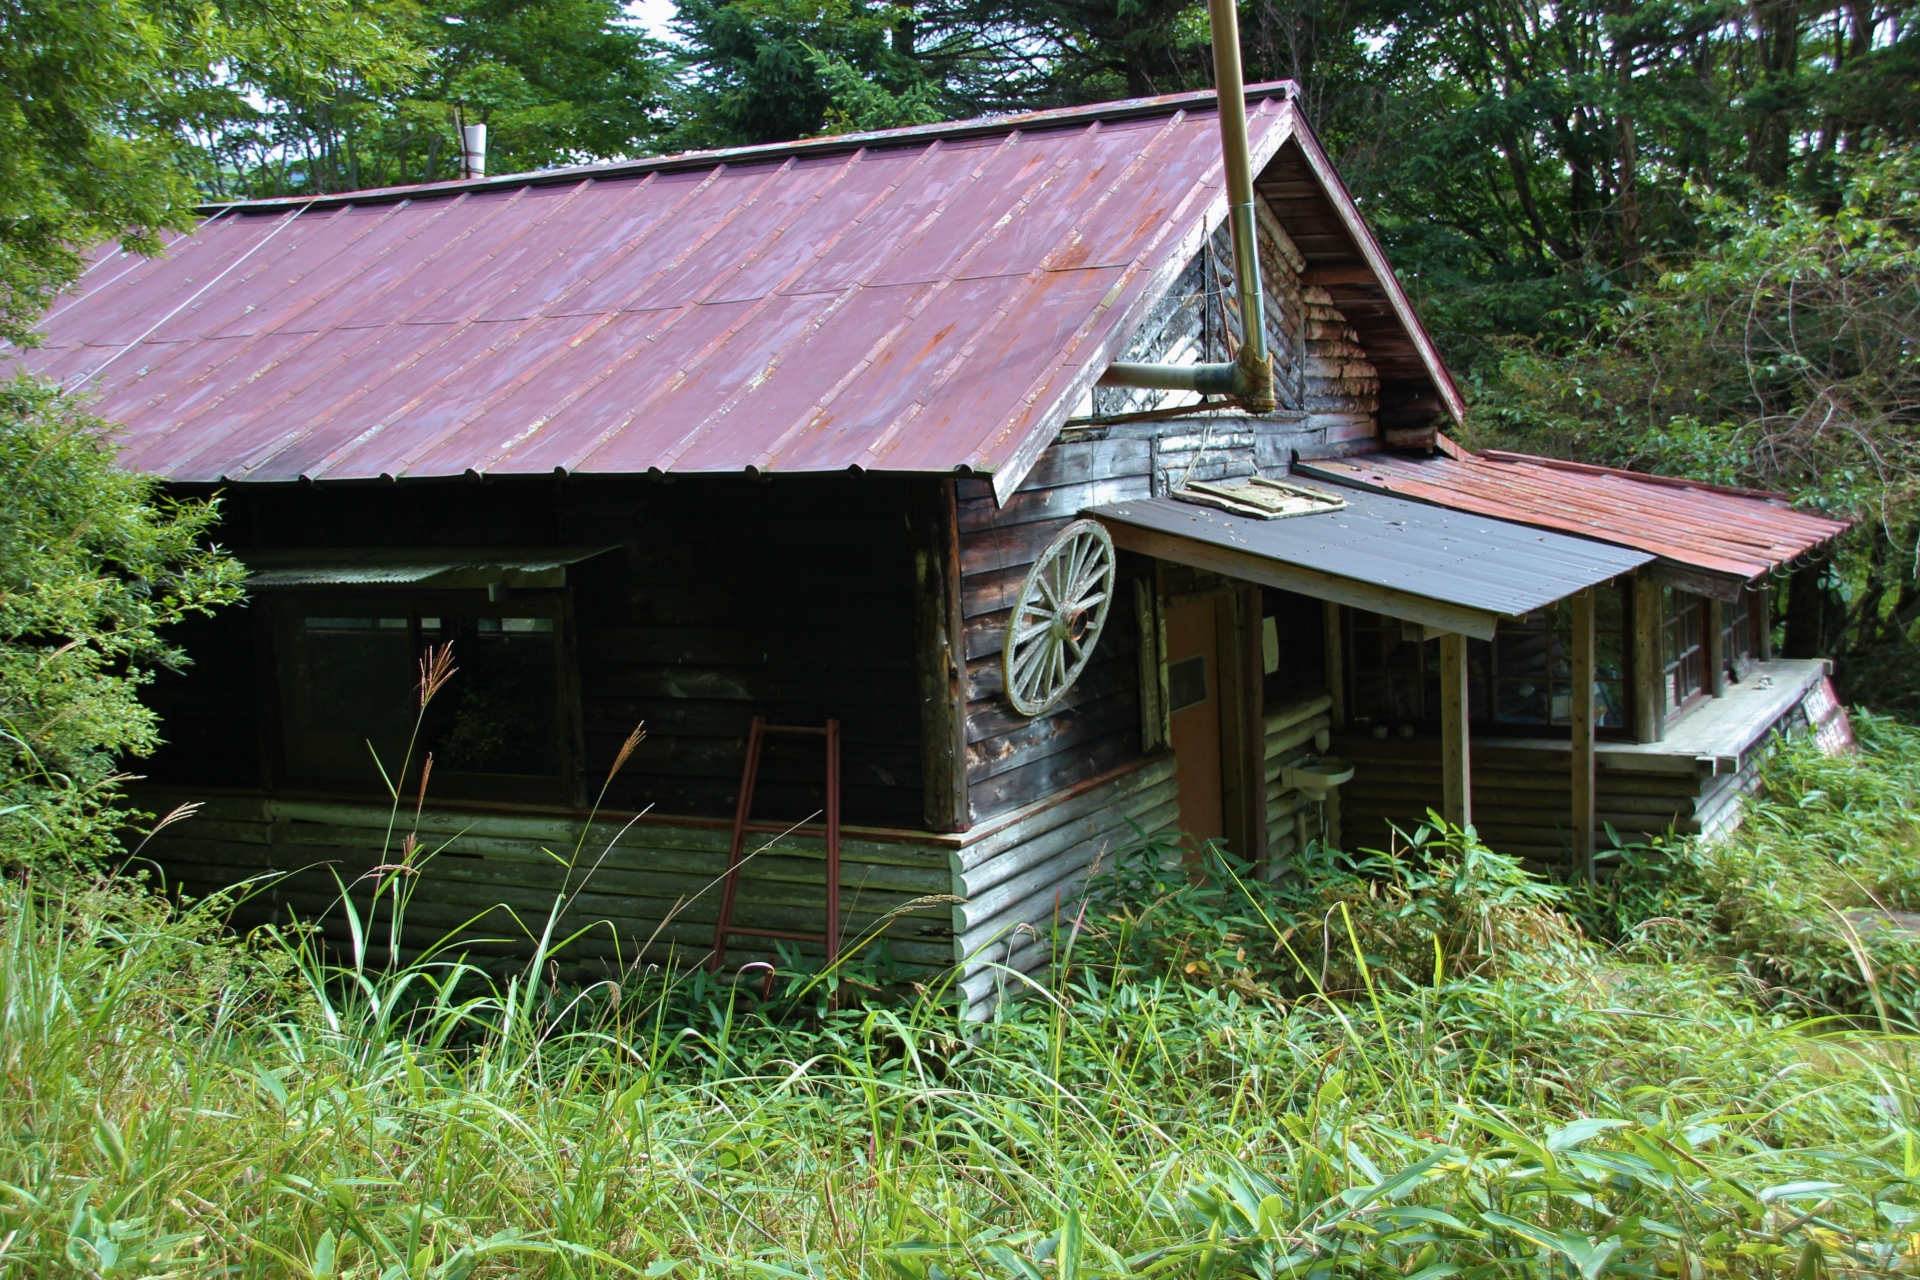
x: 1734, y: 533
x: 923, y: 300
x: 416, y: 566
x: 1491, y: 567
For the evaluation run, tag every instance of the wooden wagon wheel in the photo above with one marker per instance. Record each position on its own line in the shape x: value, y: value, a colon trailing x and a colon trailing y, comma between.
x: 1057, y: 619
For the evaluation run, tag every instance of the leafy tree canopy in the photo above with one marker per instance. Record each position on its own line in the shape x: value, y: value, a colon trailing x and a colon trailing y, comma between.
x: 106, y: 103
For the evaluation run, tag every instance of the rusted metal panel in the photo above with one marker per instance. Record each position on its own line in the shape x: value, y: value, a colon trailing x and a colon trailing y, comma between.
x: 1733, y: 533
x: 927, y: 300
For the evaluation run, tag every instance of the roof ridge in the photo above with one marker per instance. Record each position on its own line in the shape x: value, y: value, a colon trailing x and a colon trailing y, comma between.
x: 973, y: 126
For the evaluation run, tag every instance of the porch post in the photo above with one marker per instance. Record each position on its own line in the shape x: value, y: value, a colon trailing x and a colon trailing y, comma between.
x: 1716, y: 647
x: 1456, y: 765
x: 1582, y: 715
x: 1649, y: 667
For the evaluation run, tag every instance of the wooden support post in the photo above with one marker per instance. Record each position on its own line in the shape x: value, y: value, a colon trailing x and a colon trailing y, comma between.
x: 1146, y: 610
x: 941, y: 664
x: 1649, y: 660
x: 1716, y: 647
x: 1456, y: 758
x: 1243, y: 788
x: 1335, y: 664
x: 1581, y: 708
x: 1760, y: 618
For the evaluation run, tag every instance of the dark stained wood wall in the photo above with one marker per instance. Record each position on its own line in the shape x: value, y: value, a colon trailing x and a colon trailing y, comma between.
x: 1012, y: 760
x: 726, y: 597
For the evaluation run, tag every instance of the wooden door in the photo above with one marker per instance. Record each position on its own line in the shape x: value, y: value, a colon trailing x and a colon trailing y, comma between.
x: 1193, y: 700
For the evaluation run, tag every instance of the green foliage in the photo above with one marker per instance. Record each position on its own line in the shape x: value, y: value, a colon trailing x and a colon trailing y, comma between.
x: 1814, y: 898
x: 107, y: 101
x: 1781, y: 357
x: 94, y: 565
x: 771, y: 70
x: 555, y: 82
x: 204, y: 1105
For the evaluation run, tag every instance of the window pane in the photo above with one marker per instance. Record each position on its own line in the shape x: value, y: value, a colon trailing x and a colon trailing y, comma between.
x: 501, y: 712
x: 349, y: 684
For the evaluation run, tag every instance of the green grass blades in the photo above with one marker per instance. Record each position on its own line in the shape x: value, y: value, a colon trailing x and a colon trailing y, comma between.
x: 1414, y: 1065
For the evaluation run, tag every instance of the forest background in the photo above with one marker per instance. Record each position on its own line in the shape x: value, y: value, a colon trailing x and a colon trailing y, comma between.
x: 1677, y: 235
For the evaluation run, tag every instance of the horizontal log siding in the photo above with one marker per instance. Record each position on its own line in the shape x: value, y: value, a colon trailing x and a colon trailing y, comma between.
x: 498, y: 866
x: 1293, y: 818
x: 1522, y: 797
x: 1021, y: 881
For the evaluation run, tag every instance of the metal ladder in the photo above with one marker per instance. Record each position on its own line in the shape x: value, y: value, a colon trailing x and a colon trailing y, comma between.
x: 725, y: 928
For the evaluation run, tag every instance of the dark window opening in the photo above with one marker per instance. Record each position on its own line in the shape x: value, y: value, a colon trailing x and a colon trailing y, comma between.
x: 1521, y: 680
x: 349, y: 685
x: 1293, y: 637
x: 1186, y: 683
x: 1739, y: 642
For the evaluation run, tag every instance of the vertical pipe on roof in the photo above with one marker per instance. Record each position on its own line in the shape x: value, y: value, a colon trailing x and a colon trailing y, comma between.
x: 1229, y: 82
x: 1249, y: 378
x: 473, y: 151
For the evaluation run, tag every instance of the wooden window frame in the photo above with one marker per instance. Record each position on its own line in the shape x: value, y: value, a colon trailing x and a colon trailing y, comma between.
x: 1682, y: 663
x: 561, y: 788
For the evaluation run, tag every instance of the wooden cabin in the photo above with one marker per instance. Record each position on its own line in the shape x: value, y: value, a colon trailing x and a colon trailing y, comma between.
x: 802, y: 432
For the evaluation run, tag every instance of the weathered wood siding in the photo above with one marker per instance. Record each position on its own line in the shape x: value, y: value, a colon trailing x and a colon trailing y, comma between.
x: 1020, y: 880
x: 649, y: 886
x: 1328, y: 397
x: 1294, y: 819
x: 1522, y: 790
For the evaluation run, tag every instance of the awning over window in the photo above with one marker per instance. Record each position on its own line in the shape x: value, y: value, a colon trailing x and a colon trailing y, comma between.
x: 448, y: 567
x: 1424, y: 564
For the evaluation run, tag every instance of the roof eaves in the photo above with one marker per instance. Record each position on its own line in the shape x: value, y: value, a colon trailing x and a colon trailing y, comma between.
x: 1348, y: 210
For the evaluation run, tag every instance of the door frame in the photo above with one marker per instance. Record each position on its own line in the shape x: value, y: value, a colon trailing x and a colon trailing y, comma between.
x: 1241, y: 684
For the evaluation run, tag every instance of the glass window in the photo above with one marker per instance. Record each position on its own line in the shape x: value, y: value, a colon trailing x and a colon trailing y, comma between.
x: 1522, y: 678
x: 1685, y: 653
x: 349, y: 691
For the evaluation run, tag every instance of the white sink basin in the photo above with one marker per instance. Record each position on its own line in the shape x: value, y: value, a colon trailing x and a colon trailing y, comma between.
x: 1316, y: 777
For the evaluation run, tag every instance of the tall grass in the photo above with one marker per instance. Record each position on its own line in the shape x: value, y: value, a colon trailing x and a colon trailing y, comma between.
x: 1410, y: 1065
x: 179, y: 1102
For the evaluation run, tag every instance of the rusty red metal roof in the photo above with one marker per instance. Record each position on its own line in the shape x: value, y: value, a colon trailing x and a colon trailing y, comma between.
x: 922, y: 300
x: 1728, y: 533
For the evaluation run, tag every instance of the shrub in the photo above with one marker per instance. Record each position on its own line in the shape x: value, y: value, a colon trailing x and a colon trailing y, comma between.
x: 95, y: 563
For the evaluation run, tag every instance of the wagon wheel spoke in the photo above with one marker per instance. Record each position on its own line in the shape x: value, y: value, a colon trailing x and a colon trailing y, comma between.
x: 1057, y: 618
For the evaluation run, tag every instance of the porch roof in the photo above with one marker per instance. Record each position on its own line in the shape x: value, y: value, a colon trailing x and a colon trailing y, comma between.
x: 1707, y: 538
x: 1450, y: 570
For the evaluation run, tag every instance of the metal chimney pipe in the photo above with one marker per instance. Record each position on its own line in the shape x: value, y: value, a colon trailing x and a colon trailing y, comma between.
x: 1224, y: 17
x: 1249, y: 378
x: 473, y: 150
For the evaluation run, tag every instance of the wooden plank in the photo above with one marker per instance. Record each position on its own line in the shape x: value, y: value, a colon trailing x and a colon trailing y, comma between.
x: 1581, y: 734
x: 1716, y: 647
x: 1456, y: 751
x: 1242, y: 742
x: 940, y: 661
x: 1336, y: 651
x: 1292, y: 713
x: 1112, y: 818
x: 1649, y: 700
x: 1146, y: 607
x: 1090, y: 797
x: 1247, y: 566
